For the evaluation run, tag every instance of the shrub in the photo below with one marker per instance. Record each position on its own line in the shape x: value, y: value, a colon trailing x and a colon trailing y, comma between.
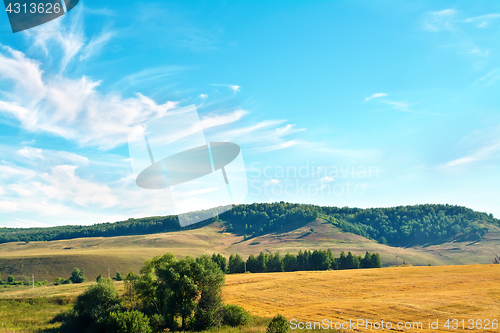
x: 234, y: 315
x: 157, y: 323
x: 77, y: 276
x: 119, y: 276
x: 95, y: 304
x: 278, y: 324
x: 128, y: 322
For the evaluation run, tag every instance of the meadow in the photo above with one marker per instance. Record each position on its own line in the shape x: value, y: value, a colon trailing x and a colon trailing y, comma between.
x: 395, y: 294
x: 50, y: 259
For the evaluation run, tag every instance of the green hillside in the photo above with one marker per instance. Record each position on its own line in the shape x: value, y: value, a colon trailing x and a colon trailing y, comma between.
x: 395, y: 226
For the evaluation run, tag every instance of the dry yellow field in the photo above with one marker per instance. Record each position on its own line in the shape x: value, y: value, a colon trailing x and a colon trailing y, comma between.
x: 396, y: 294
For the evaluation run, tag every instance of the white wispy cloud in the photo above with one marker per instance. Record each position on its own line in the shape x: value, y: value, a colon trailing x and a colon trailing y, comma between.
x: 445, y: 12
x: 402, y: 106
x: 489, y: 78
x: 222, y: 119
x: 375, y: 95
x: 63, y: 184
x: 70, y: 38
x: 233, y: 87
x: 31, y: 153
x: 70, y: 108
x: 283, y: 145
x: 481, y: 154
x: 96, y: 44
x: 439, y: 20
x: 483, y: 21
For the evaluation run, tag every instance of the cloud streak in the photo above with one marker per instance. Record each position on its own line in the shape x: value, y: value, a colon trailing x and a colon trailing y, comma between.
x: 375, y: 95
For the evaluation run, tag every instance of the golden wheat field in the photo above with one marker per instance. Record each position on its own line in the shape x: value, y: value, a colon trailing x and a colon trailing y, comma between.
x: 397, y: 294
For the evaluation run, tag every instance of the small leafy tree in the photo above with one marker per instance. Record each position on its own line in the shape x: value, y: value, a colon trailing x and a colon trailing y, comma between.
x: 98, y: 278
x: 375, y: 261
x: 119, y: 276
x: 58, y: 281
x: 11, y: 279
x: 236, y: 264
x: 278, y: 324
x: 93, y: 307
x: 210, y: 279
x: 128, y: 322
x: 77, y: 276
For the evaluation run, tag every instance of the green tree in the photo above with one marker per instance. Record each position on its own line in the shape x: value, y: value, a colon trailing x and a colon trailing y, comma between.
x: 375, y: 261
x: 58, y: 281
x: 274, y: 263
x: 289, y: 262
x: 169, y: 288
x: 278, y: 324
x: 11, y: 279
x: 98, y: 278
x: 319, y: 260
x: 128, y: 322
x: 366, y: 262
x: 93, y: 307
x: 210, y: 278
x: 352, y: 261
x: 119, y: 276
x: 261, y: 260
x: 342, y: 261
x: 236, y: 264
x: 252, y: 264
x: 77, y: 276
x: 220, y: 260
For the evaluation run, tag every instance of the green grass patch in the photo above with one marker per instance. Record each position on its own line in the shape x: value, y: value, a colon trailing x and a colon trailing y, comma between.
x: 31, y: 314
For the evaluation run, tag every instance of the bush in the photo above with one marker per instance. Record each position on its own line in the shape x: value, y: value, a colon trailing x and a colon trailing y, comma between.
x: 278, y: 324
x: 119, y: 276
x: 157, y: 323
x: 128, y: 322
x: 234, y: 315
x: 92, y: 308
x: 77, y: 276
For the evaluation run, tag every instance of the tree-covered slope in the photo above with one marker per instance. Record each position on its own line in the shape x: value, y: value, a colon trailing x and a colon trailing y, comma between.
x: 397, y: 226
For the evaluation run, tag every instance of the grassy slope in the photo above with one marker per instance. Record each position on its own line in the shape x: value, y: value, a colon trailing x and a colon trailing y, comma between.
x: 392, y: 294
x: 48, y: 260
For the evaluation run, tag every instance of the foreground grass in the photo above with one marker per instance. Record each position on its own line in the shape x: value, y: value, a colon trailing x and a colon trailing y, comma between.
x: 31, y: 314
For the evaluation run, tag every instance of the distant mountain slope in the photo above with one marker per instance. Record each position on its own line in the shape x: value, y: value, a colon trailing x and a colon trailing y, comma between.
x: 395, y: 226
x: 48, y: 260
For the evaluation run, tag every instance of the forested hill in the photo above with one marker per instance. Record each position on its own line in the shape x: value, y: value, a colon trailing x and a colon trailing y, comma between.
x: 396, y: 226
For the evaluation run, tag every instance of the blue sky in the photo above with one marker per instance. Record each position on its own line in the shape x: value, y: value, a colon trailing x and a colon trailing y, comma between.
x: 395, y: 102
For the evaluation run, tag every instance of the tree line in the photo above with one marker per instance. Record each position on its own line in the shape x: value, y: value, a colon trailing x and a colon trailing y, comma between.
x: 317, y: 260
x: 395, y: 226
x: 25, y: 281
